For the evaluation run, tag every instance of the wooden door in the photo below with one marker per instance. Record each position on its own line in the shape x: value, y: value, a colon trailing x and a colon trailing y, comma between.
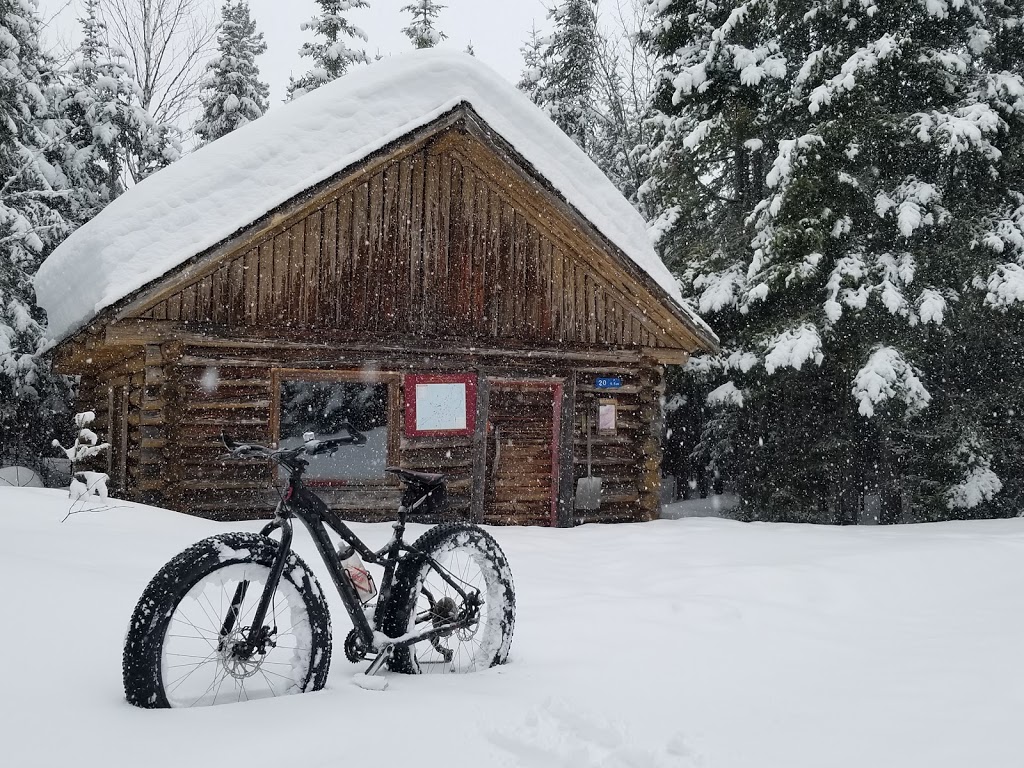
x: 522, y: 453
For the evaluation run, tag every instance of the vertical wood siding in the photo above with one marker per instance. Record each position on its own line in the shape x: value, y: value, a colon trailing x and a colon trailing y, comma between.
x: 430, y: 245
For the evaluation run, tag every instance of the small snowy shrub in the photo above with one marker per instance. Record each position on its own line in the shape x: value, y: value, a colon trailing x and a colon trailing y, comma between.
x: 83, y: 482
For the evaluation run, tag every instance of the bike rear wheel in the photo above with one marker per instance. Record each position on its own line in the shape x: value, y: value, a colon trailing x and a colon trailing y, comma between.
x: 422, y: 598
x: 176, y: 653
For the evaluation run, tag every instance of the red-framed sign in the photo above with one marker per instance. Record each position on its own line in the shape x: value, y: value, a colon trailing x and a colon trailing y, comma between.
x: 438, y: 404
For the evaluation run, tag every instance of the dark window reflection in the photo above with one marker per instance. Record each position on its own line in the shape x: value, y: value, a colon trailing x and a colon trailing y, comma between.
x: 322, y: 407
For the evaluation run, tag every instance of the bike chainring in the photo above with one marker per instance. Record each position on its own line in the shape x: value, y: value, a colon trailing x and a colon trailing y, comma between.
x: 355, y: 650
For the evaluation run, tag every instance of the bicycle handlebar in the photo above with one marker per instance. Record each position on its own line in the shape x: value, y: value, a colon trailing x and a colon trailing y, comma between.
x: 311, y: 446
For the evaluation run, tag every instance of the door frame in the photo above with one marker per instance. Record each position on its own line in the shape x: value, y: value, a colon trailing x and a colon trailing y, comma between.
x: 557, y: 388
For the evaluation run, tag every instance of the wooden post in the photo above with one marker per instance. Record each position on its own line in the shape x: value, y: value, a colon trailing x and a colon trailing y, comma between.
x: 173, y: 396
x: 566, y: 458
x: 652, y: 388
x: 483, y: 394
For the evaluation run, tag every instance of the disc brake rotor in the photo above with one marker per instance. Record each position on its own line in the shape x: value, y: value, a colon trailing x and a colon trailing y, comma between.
x: 236, y: 662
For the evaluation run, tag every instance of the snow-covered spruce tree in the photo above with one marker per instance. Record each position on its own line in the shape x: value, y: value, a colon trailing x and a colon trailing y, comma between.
x: 423, y: 31
x: 233, y: 93
x: 35, y: 196
x: 115, y: 140
x: 570, y: 59
x: 842, y: 193
x: 535, y: 66
x: 330, y: 52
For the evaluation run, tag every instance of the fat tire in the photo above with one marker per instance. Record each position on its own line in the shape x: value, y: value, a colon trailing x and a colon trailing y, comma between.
x: 407, y: 578
x: 141, y: 661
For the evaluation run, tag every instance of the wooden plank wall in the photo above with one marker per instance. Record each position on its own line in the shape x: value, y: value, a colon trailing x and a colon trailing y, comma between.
x: 434, y: 244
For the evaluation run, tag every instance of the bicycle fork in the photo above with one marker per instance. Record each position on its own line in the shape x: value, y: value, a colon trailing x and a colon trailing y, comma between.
x: 259, y: 636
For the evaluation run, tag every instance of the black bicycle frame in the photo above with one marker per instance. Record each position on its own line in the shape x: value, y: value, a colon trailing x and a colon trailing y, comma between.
x: 298, y: 501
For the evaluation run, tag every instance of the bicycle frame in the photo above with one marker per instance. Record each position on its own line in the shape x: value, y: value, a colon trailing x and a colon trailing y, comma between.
x: 298, y: 501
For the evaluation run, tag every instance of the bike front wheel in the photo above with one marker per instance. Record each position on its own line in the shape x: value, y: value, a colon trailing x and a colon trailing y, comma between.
x: 178, y: 652
x: 448, y: 563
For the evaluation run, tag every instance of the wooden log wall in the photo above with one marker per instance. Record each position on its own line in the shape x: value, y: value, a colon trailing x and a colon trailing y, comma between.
x: 183, y: 396
x: 128, y: 399
x: 628, y: 462
x: 234, y: 393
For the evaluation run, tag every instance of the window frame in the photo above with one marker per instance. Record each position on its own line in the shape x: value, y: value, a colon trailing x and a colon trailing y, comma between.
x: 412, y: 379
x: 393, y: 381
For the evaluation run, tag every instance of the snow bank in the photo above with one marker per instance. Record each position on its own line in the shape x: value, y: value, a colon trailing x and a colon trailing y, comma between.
x: 210, y: 194
x: 695, y: 643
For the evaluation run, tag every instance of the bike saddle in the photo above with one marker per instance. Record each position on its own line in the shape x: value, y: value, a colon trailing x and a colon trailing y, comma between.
x: 426, y: 479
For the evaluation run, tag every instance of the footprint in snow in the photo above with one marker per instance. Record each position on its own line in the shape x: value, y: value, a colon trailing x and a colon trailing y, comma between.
x: 559, y: 736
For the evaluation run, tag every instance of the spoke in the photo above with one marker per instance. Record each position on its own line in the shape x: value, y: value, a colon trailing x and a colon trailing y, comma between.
x: 213, y: 621
x: 188, y: 655
x: 269, y: 684
x: 209, y: 688
x: 197, y: 629
x: 182, y: 679
x: 217, y: 692
x: 283, y: 677
x: 187, y: 664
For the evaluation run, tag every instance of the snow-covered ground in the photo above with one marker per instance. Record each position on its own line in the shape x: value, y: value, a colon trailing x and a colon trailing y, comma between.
x: 697, y: 642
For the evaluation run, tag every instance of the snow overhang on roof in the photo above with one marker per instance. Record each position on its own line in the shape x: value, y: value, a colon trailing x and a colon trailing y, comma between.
x: 210, y: 194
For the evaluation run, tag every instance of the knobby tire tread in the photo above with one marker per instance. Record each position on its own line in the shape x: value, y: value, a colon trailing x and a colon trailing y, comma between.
x: 141, y: 660
x: 403, y: 596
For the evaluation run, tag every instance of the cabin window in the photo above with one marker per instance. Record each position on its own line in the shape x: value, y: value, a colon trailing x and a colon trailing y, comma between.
x: 321, y: 402
x: 440, y: 404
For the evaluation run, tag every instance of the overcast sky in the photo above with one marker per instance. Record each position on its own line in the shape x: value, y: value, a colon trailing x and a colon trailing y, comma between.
x: 497, y: 29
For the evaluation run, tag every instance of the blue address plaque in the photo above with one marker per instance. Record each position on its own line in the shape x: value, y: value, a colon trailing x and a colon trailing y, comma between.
x: 607, y: 382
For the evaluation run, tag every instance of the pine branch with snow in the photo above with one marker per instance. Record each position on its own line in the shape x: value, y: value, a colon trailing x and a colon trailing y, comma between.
x: 569, y: 57
x: 535, y: 66
x: 39, y: 206
x: 330, y: 50
x: 841, y: 184
x: 422, y: 30
x: 233, y: 93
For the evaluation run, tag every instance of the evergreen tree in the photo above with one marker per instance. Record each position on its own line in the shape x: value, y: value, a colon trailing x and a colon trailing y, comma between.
x: 470, y: 49
x: 330, y: 53
x: 35, y: 198
x: 842, y: 192
x: 423, y: 31
x: 571, y: 51
x: 114, y: 138
x: 233, y: 93
x: 535, y: 67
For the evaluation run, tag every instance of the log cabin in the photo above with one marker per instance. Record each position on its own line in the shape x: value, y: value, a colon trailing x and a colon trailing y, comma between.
x: 415, y: 249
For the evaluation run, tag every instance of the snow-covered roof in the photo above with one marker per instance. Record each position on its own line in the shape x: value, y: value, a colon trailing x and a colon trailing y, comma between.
x: 223, y: 187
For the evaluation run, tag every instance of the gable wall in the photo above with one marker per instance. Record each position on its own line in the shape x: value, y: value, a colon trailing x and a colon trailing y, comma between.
x: 439, y: 243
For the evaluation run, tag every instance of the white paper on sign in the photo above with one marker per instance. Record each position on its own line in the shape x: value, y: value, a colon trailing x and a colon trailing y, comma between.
x: 441, y: 406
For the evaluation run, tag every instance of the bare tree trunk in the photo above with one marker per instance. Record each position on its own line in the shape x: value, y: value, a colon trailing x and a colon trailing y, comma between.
x: 167, y: 43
